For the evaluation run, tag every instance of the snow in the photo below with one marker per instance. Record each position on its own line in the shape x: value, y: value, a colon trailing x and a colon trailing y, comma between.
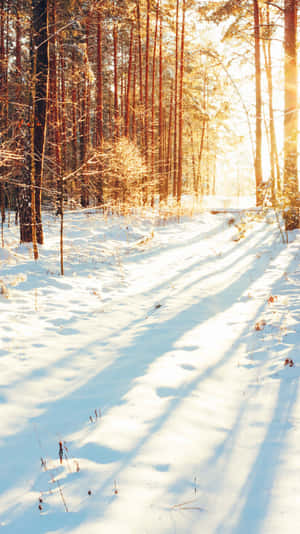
x: 166, y: 363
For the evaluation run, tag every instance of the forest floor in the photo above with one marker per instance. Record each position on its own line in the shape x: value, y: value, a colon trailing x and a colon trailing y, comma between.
x: 163, y: 368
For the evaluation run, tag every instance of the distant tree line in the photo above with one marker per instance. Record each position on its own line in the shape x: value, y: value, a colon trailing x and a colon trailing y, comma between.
x: 114, y: 102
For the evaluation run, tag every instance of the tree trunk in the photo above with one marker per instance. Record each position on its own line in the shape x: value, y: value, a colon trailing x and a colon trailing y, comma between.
x: 290, y: 110
x: 258, y: 162
x: 175, y: 103
x: 180, y: 111
x: 275, y: 168
x: 3, y: 101
x: 54, y: 100
x: 63, y: 105
x: 153, y: 177
x: 34, y: 155
x: 138, y: 17
x: 129, y: 74
x: 290, y: 93
x: 147, y: 87
x: 85, y: 138
x: 74, y: 114
x: 134, y: 111
x: 169, y: 145
x: 116, y: 93
x: 41, y: 50
x: 99, y: 104
x: 162, y: 189
x: 31, y: 219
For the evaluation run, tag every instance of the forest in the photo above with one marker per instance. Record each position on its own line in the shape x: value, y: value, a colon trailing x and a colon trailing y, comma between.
x: 149, y: 258
x: 138, y: 102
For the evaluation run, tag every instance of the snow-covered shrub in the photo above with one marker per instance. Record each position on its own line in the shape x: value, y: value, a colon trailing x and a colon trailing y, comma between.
x: 123, y: 172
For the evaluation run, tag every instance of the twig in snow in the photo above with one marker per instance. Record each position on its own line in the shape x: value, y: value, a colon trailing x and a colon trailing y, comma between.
x: 156, y: 307
x: 184, y: 506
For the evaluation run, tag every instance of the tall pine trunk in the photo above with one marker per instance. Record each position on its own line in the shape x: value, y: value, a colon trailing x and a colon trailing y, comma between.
x: 147, y: 88
x: 31, y: 217
x: 274, y: 159
x: 162, y: 188
x: 63, y: 105
x: 258, y: 162
x: 116, y: 84
x: 153, y: 177
x: 99, y: 102
x: 3, y: 101
x: 128, y: 90
x: 175, y: 161
x: 85, y: 124
x: 290, y: 93
x: 140, y: 68
x: 74, y: 115
x: 41, y: 52
x: 290, y: 109
x: 180, y: 111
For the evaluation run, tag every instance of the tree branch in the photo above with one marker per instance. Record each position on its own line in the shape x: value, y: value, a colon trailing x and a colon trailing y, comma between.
x: 275, y: 5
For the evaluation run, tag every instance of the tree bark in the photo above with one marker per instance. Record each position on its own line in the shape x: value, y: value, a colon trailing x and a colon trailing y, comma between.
x: 153, y: 177
x: 290, y: 111
x: 180, y: 111
x: 31, y: 225
x: 175, y: 103
x: 116, y: 93
x: 99, y: 103
x: 85, y: 139
x: 129, y: 74
x: 162, y: 188
x: 258, y: 161
x: 41, y: 50
x: 147, y: 87
x: 290, y: 97
x: 74, y: 114
x: 274, y: 160
x: 273, y: 142
x: 3, y: 100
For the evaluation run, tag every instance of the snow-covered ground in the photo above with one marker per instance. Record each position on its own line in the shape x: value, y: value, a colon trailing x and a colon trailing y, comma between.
x: 164, y: 367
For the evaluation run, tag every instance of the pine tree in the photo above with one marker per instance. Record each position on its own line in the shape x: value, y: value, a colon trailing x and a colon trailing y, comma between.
x: 290, y: 110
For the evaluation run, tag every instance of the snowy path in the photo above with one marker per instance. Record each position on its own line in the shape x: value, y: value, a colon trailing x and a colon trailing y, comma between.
x: 200, y: 419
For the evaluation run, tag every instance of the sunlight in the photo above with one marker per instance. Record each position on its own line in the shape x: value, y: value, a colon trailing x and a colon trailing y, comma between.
x: 149, y: 255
